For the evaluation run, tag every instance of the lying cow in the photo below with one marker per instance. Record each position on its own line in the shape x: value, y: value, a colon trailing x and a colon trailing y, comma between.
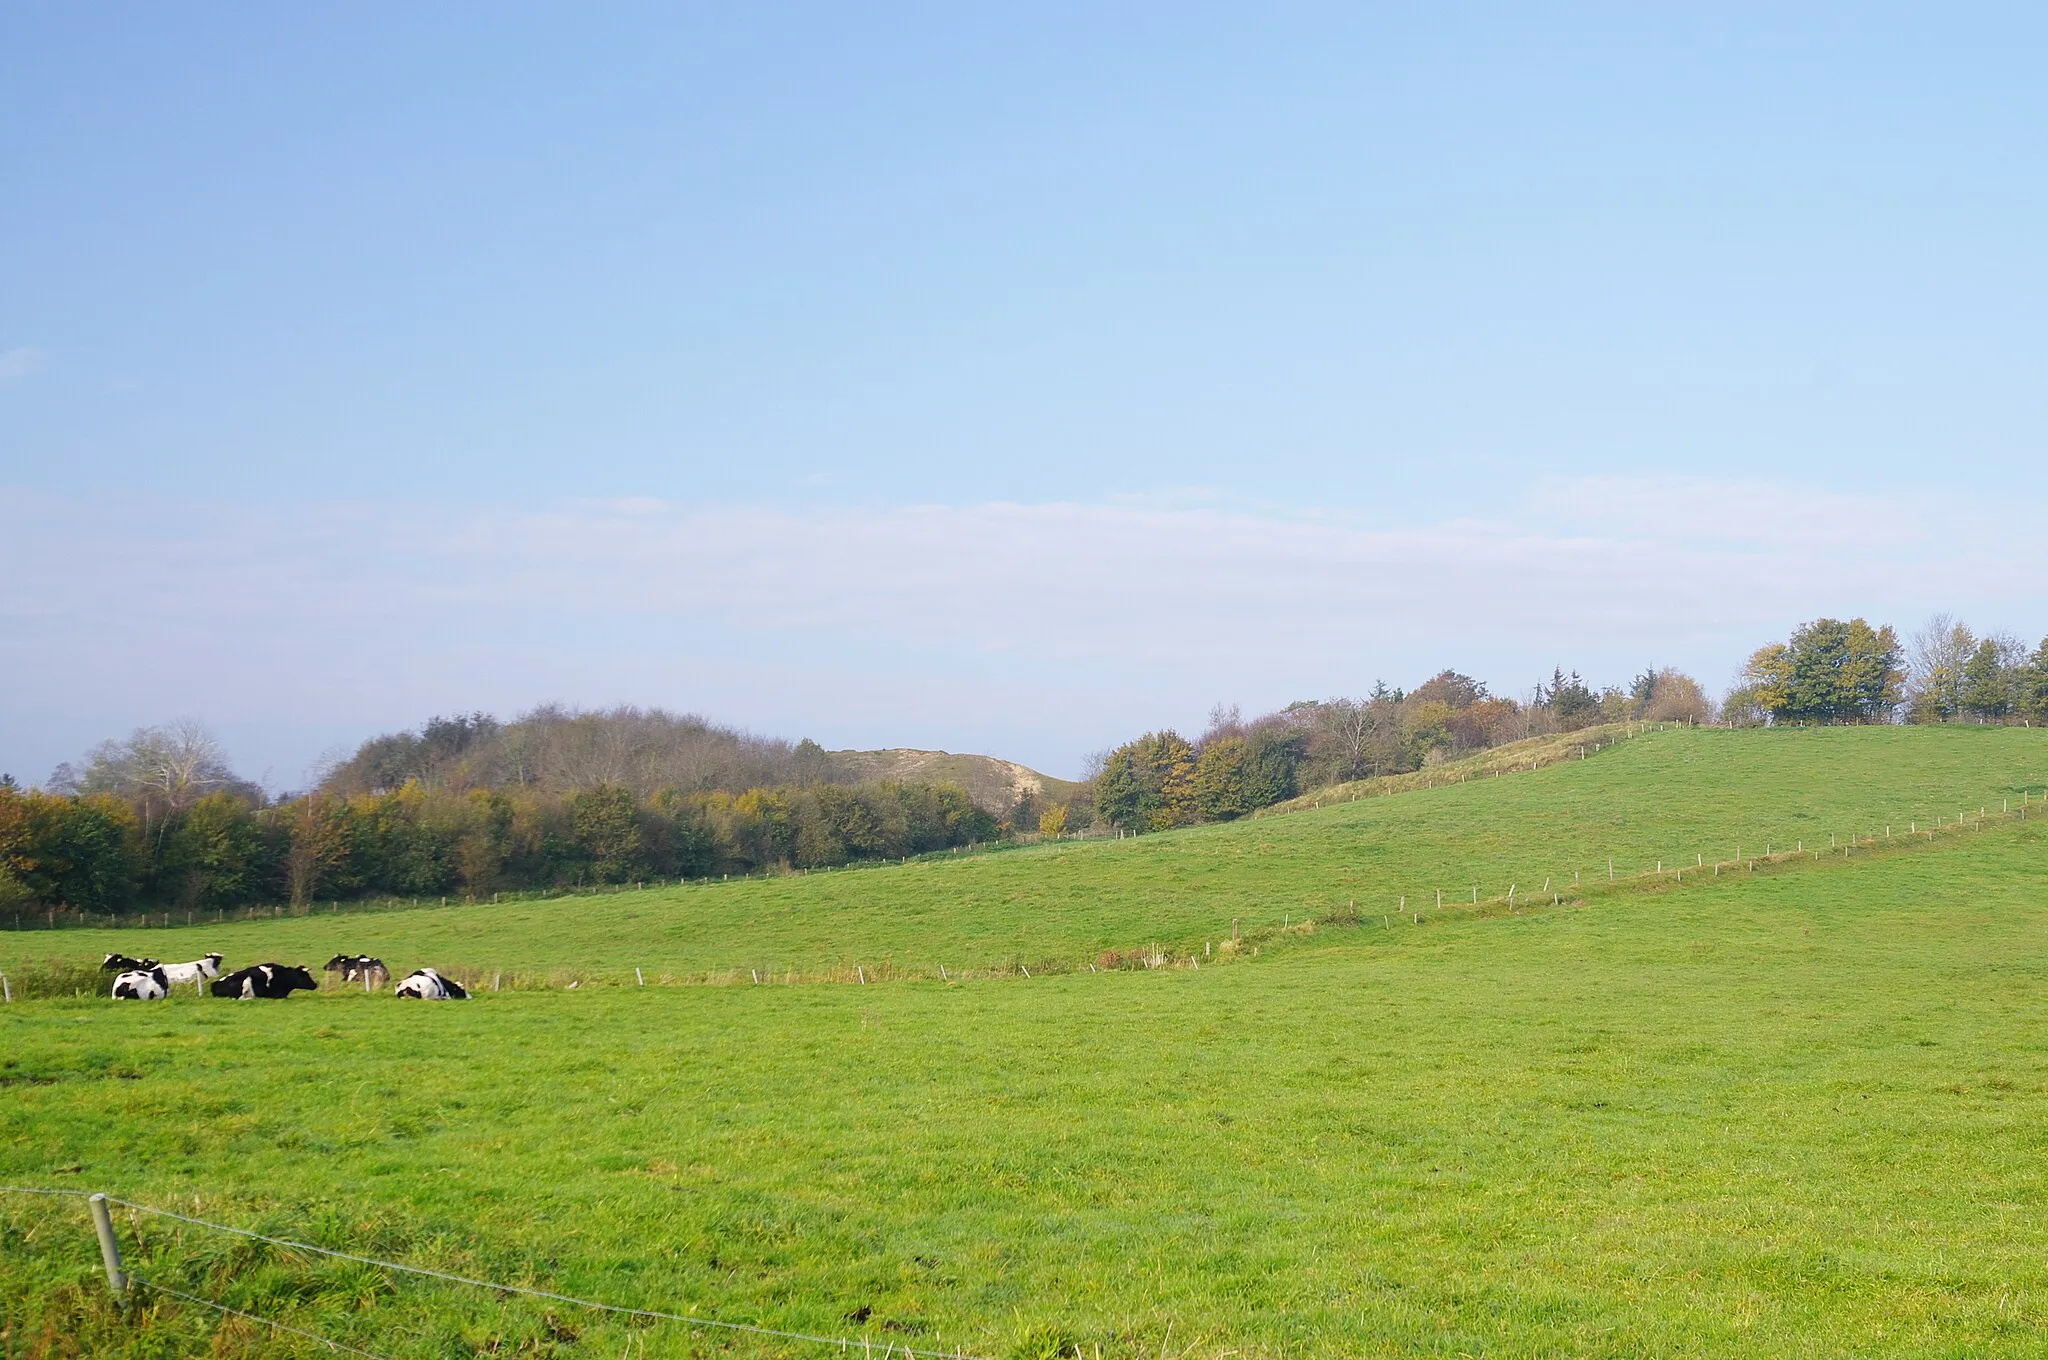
x: 428, y: 985
x: 141, y: 984
x: 359, y: 968
x: 198, y: 972
x: 270, y: 981
x: 121, y: 963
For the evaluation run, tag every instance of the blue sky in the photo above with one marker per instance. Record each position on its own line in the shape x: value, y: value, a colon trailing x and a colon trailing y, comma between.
x: 995, y: 378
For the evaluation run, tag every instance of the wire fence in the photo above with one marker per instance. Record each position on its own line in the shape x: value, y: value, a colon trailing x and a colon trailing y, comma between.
x: 842, y: 1343
x: 339, y: 1347
x: 1418, y: 905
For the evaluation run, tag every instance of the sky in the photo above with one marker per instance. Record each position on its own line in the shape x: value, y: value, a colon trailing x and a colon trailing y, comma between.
x: 992, y: 378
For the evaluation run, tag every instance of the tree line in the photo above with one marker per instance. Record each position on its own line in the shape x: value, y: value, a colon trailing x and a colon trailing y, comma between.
x: 557, y: 797
x: 159, y: 821
x: 1836, y: 671
x: 1162, y: 779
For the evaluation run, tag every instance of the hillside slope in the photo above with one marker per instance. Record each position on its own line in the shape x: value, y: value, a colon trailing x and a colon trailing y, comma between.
x: 994, y: 784
x: 1671, y: 797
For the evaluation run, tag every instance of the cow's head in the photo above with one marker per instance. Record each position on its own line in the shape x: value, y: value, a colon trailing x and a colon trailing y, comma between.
x: 287, y: 978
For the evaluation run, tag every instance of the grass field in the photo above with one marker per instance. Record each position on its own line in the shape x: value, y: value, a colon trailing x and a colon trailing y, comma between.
x: 1671, y: 796
x: 1801, y: 1112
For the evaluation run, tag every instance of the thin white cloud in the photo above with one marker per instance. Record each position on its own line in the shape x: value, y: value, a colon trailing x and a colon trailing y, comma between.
x: 19, y: 362
x: 1048, y: 627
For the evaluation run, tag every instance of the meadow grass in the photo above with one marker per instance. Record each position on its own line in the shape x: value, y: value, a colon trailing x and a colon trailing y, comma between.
x: 1670, y: 796
x: 1797, y: 1112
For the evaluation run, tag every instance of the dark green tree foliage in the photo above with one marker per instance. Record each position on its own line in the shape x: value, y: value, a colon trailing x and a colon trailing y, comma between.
x: 1989, y: 683
x: 213, y: 854
x: 1829, y: 672
x: 1845, y: 672
x: 1161, y: 780
x: 2030, y: 688
x: 87, y: 852
x: 1570, y: 700
x: 80, y: 851
x: 1238, y: 774
x: 1120, y: 794
x: 1148, y: 784
x: 605, y: 824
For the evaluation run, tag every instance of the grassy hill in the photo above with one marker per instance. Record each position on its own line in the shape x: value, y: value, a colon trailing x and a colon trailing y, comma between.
x: 1790, y: 1112
x: 1670, y: 797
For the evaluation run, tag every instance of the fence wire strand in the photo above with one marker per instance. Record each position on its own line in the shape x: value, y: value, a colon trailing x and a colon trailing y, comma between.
x: 332, y: 1345
x: 843, y: 1343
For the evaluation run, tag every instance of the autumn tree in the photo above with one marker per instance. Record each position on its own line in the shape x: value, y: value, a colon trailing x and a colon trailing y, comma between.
x: 1148, y: 784
x: 320, y: 835
x: 1673, y: 696
x: 1830, y: 671
x: 62, y: 851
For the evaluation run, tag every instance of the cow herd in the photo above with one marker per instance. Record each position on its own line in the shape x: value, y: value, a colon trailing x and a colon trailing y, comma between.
x: 148, y: 980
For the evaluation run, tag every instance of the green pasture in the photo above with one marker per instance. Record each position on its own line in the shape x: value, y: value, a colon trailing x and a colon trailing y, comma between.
x: 1794, y: 1114
x: 1671, y: 796
x: 1803, y: 1111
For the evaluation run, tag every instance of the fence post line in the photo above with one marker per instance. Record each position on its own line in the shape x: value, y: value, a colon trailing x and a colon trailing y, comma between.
x: 6, y: 992
x: 110, y: 1250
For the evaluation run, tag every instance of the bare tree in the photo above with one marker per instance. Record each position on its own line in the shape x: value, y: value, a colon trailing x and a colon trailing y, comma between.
x: 1937, y: 655
x: 161, y: 770
x: 173, y: 766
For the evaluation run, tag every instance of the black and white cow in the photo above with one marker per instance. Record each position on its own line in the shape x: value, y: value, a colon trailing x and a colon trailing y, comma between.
x: 121, y: 963
x: 198, y: 972
x: 359, y: 968
x: 271, y: 981
x: 140, y: 984
x: 428, y: 985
